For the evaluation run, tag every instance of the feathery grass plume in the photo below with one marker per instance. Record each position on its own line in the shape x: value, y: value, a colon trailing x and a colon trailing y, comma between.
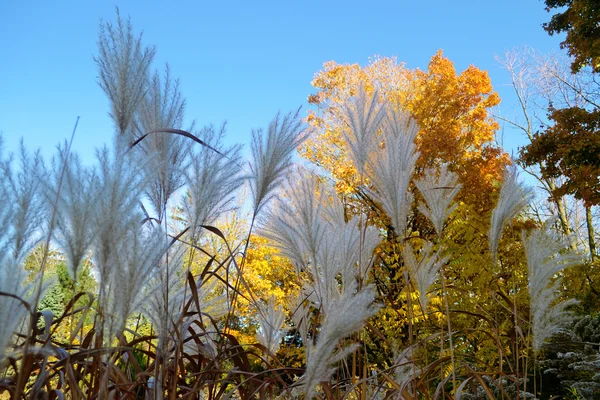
x: 271, y: 317
x: 21, y: 215
x: 123, y: 65
x: 272, y: 156
x: 163, y: 107
x: 162, y: 306
x: 75, y: 207
x: 347, y: 315
x: 363, y: 114
x: 212, y: 181
x: 438, y: 189
x: 120, y: 186
x: 12, y: 310
x: 424, y: 272
x: 296, y: 226
x: 514, y: 197
x: 139, y: 258
x: 546, y: 257
x: 406, y: 370
x: 24, y: 191
x: 390, y: 170
x: 335, y: 215
x: 300, y: 315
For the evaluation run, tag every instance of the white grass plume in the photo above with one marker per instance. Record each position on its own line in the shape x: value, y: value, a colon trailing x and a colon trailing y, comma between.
x: 212, y: 181
x: 295, y: 225
x: 438, y: 188
x: 120, y: 186
x: 350, y: 312
x: 123, y: 65
x: 391, y: 169
x: 75, y: 208
x: 24, y: 198
x: 406, y: 370
x: 363, y: 115
x: 424, y: 272
x: 162, y: 107
x: 546, y: 257
x: 139, y: 258
x: 21, y: 215
x: 514, y: 197
x: 358, y: 247
x: 163, y: 305
x: 272, y: 156
x: 271, y: 317
x: 300, y: 315
x: 12, y: 310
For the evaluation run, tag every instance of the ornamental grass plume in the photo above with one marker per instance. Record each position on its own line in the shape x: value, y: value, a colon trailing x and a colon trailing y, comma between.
x: 347, y: 315
x: 21, y: 216
x: 271, y: 317
x: 212, y: 181
x: 162, y: 107
x: 391, y: 169
x: 120, y: 187
x: 319, y: 241
x: 139, y: 258
x: 26, y: 212
x: 363, y: 115
x: 300, y: 315
x: 271, y: 156
x: 546, y: 257
x: 75, y: 208
x: 438, y: 188
x: 514, y: 197
x: 13, y: 292
x: 295, y: 225
x: 163, y: 303
x: 424, y: 272
x: 361, y: 240
x: 123, y: 65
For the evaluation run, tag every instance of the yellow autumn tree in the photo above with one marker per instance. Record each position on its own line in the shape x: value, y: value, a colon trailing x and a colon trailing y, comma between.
x: 451, y: 109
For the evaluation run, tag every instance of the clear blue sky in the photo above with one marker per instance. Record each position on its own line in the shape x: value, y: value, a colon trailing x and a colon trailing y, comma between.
x: 239, y: 61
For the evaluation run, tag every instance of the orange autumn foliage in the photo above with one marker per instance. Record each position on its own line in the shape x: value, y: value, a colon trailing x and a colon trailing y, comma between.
x: 451, y: 109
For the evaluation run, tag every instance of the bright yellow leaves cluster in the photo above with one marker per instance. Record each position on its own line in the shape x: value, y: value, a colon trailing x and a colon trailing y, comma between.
x: 451, y: 109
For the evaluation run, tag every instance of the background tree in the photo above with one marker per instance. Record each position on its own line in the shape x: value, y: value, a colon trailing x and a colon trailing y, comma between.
x: 579, y: 20
x: 452, y: 111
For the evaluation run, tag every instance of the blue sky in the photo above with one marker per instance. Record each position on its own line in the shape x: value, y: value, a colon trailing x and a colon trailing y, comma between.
x: 237, y: 61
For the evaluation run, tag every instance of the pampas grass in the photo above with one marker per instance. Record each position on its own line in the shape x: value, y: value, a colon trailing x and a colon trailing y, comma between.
x: 272, y: 156
x: 363, y: 114
x: 163, y: 107
x: 212, y: 181
x: 546, y: 258
x: 424, y: 271
x: 123, y: 66
x: 76, y: 208
x: 438, y: 188
x: 189, y: 341
x: 514, y: 197
x: 392, y: 168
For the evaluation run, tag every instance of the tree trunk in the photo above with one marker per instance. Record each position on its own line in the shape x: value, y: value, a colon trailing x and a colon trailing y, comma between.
x: 590, y: 229
x: 562, y: 215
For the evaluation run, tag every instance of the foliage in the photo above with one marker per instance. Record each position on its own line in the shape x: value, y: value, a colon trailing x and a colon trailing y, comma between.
x: 569, y: 149
x: 404, y: 270
x: 579, y: 20
x: 452, y: 111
